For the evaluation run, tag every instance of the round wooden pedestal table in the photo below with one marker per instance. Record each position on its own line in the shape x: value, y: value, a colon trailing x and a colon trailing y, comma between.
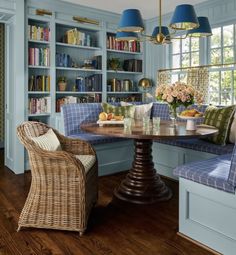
x: 143, y: 184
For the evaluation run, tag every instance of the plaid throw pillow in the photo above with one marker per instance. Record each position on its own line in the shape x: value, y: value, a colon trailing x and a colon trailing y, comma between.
x: 126, y: 111
x: 220, y: 118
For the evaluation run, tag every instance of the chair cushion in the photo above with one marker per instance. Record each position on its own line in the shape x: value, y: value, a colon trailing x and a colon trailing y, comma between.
x: 211, y: 172
x: 97, y: 139
x: 140, y: 110
x: 87, y: 161
x: 48, y: 141
x: 199, y: 145
x: 220, y: 118
x: 232, y: 172
x: 126, y: 111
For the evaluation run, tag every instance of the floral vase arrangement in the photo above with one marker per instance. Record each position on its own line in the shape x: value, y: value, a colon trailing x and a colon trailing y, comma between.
x: 178, y: 94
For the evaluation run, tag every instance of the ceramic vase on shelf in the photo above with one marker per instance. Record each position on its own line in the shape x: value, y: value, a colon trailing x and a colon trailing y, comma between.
x: 173, y: 114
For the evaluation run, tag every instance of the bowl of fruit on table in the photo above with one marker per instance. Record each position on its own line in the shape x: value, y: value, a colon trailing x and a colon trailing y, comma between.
x: 191, y: 116
x: 110, y: 118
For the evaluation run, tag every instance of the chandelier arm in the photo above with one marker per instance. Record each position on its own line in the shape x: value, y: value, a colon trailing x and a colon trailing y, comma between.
x: 144, y: 35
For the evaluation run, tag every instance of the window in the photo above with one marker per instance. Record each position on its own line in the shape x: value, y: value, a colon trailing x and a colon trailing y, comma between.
x: 185, y: 53
x: 222, y: 82
x: 219, y: 49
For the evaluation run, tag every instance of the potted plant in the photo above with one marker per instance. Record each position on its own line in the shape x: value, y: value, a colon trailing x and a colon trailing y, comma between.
x: 62, y: 83
x: 114, y: 63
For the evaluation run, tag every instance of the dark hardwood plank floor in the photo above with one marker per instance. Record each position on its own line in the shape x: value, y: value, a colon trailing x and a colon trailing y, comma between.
x: 115, y: 228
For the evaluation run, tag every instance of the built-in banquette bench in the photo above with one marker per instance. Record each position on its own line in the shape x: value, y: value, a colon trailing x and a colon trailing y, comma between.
x: 207, y: 210
x: 115, y: 154
x: 207, y: 202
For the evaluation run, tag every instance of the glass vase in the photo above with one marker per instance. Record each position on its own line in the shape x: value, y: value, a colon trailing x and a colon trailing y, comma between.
x: 173, y: 115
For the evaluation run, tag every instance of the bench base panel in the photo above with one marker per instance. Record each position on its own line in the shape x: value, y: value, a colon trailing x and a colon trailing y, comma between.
x: 208, y: 215
x: 167, y: 157
x: 114, y: 157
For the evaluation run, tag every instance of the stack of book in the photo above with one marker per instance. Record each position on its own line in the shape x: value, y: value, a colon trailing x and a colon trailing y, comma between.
x: 76, y: 37
x: 112, y: 44
x: 38, y: 33
x: 94, y: 98
x: 133, y: 65
x: 93, y: 82
x: 63, y: 60
x: 39, y: 56
x: 39, y: 105
x: 39, y: 83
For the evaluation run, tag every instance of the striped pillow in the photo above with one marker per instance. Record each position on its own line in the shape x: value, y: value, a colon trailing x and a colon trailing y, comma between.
x: 48, y: 141
x: 220, y: 118
x: 126, y: 111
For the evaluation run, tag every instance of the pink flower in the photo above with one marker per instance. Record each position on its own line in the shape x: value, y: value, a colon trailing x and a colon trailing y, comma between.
x: 170, y: 99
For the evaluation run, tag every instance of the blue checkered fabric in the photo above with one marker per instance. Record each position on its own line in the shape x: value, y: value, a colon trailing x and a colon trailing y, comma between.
x: 232, y: 172
x: 97, y: 139
x: 199, y: 145
x: 76, y: 114
x: 162, y: 110
x: 211, y: 172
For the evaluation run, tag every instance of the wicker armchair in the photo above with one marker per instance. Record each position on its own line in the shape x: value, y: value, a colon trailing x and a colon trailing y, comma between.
x: 62, y: 192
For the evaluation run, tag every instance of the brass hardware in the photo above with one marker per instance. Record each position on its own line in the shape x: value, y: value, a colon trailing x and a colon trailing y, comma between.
x: 42, y: 12
x: 85, y: 20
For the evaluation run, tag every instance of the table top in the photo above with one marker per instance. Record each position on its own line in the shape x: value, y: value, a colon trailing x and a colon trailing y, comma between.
x: 137, y: 131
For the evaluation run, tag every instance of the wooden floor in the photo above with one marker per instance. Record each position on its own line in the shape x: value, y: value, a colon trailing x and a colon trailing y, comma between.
x: 114, y: 228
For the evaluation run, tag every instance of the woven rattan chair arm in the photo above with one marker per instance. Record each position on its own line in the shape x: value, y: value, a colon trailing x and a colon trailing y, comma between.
x: 59, y: 156
x: 75, y: 146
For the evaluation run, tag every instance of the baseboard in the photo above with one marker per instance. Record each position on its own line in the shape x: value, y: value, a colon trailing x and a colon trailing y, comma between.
x: 199, y: 244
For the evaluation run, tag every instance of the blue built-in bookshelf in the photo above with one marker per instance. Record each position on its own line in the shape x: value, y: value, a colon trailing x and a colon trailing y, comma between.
x: 77, y: 53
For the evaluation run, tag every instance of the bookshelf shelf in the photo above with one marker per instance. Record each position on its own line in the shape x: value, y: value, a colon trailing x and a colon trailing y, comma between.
x: 39, y: 41
x: 77, y: 46
x: 124, y: 72
x: 124, y: 52
x: 39, y: 115
x: 39, y: 67
x: 77, y: 92
x: 78, y: 69
x: 122, y: 92
x: 38, y: 92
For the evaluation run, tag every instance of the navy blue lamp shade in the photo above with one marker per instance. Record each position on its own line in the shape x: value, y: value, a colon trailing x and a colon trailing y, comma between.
x: 131, y: 21
x: 184, y: 18
x: 164, y: 31
x: 126, y: 36
x: 203, y: 30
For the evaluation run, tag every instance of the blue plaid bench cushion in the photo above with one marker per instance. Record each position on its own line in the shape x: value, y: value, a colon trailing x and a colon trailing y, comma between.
x: 97, y: 139
x: 199, y: 145
x: 232, y: 172
x: 76, y: 114
x: 212, y: 172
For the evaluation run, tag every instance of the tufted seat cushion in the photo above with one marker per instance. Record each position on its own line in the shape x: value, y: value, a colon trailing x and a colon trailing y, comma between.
x: 87, y: 161
x: 212, y: 172
x: 97, y: 139
x: 199, y: 145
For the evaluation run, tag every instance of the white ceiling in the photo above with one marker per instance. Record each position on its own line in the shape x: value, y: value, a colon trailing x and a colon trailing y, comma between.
x: 148, y: 8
